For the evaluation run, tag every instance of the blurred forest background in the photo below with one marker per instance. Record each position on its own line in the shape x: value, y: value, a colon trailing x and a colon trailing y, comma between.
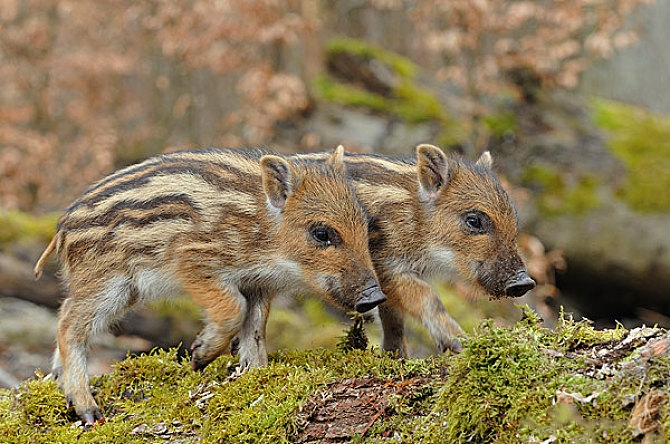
x: 571, y: 98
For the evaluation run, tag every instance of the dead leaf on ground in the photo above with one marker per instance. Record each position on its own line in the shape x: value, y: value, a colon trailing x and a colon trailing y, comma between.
x: 643, y: 418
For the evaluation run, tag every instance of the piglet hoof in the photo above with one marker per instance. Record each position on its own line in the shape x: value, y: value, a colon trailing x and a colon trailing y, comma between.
x: 453, y: 345
x: 194, y: 346
x: 198, y: 366
x: 244, y: 366
x: 235, y: 346
x: 197, y: 343
x: 91, y: 419
x: 55, y: 373
x: 197, y: 363
x: 200, y: 358
x: 252, y: 360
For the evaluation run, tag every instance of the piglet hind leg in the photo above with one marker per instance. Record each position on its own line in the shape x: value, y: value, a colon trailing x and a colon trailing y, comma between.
x: 80, y: 319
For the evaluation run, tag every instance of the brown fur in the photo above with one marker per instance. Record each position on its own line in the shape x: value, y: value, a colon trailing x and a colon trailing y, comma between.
x: 231, y: 228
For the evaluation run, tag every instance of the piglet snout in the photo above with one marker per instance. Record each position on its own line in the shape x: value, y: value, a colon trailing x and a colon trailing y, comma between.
x: 520, y: 284
x: 370, y: 297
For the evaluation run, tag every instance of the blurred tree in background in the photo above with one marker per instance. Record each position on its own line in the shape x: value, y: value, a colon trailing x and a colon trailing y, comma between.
x: 89, y: 86
x: 493, y: 50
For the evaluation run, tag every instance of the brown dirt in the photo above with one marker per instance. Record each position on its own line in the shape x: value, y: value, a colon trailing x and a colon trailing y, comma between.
x: 350, y: 407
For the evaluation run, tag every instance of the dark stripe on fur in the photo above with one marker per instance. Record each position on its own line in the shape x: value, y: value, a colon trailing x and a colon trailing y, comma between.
x: 115, y: 216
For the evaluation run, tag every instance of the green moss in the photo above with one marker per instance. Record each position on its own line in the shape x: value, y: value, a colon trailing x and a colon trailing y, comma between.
x: 502, y: 388
x: 355, y: 338
x: 556, y: 197
x: 641, y: 140
x: 452, y: 133
x: 345, y: 94
x: 160, y: 388
x: 415, y: 104
x: 484, y: 395
x: 36, y: 402
x: 501, y: 123
x: 408, y: 101
x: 572, y: 334
x: 259, y: 406
x: 401, y: 65
x: 18, y: 226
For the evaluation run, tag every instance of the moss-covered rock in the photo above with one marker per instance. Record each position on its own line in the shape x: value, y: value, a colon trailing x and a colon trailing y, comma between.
x: 396, y: 91
x: 501, y: 123
x: 18, y: 226
x: 641, y: 140
x: 598, y: 174
x: 555, y: 196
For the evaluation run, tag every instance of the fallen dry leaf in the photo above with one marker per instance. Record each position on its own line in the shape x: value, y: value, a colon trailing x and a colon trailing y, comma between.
x: 563, y: 397
x: 643, y: 417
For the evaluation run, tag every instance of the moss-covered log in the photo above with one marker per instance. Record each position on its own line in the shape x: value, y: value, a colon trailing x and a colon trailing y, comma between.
x: 519, y: 384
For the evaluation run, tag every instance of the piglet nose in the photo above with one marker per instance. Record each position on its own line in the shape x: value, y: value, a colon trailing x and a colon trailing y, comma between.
x: 519, y: 284
x: 370, y: 297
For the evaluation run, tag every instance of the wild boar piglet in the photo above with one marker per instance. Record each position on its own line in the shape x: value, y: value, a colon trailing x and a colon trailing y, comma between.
x: 231, y: 228
x: 435, y: 217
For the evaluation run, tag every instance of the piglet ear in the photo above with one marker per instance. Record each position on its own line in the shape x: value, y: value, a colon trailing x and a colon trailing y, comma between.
x: 336, y: 159
x: 433, y: 170
x: 277, y: 180
x: 485, y: 160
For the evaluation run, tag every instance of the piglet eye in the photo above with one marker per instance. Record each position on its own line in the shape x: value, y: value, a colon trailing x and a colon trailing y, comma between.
x: 321, y: 235
x: 473, y: 222
x: 476, y: 222
x: 324, y: 235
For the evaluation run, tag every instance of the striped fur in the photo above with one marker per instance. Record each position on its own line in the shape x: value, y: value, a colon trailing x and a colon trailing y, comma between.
x: 231, y: 228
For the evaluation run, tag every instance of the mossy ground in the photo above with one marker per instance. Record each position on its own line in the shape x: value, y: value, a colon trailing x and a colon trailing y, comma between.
x: 641, y: 140
x: 519, y: 384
